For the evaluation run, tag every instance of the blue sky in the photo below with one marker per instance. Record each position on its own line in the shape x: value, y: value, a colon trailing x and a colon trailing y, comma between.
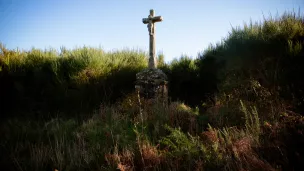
x: 189, y: 26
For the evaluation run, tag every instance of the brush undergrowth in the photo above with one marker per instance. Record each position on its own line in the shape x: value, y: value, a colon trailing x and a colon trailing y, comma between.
x: 140, y: 136
x: 243, y: 104
x: 50, y: 81
x: 118, y: 137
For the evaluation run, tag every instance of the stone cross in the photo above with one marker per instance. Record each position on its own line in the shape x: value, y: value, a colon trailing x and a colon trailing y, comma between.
x: 151, y: 28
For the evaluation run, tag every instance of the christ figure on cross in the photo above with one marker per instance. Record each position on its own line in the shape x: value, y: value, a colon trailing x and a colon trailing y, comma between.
x: 151, y: 28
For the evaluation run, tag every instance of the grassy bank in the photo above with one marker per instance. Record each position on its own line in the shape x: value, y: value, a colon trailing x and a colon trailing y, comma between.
x: 48, y: 81
x: 133, y: 136
x: 238, y: 106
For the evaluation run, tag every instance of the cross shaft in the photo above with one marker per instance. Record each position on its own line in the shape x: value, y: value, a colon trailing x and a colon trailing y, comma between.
x: 151, y: 28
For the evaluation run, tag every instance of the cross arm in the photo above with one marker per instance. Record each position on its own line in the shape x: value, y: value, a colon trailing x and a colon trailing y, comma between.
x: 154, y: 19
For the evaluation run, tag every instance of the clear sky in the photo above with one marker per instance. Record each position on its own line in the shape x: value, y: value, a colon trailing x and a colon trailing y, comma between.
x: 189, y: 26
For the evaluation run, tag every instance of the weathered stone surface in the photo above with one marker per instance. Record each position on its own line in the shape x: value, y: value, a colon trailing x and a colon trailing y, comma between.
x: 152, y: 83
x: 150, y: 21
x: 155, y: 76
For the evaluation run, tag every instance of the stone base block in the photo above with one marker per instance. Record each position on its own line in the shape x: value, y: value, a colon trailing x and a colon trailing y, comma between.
x: 152, y: 84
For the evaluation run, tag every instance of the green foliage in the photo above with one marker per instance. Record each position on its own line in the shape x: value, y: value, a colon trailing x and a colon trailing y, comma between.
x: 252, y: 122
x: 161, y: 60
x: 115, y: 137
x: 216, y: 148
x: 183, y: 80
x: 179, y: 143
x: 258, y: 65
x: 268, y: 53
x: 51, y: 81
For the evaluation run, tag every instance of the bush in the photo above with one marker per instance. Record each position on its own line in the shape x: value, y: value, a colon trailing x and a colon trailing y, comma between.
x: 47, y: 81
x: 267, y: 54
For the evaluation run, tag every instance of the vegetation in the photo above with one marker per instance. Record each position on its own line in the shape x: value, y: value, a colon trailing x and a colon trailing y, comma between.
x: 50, y: 81
x: 238, y: 106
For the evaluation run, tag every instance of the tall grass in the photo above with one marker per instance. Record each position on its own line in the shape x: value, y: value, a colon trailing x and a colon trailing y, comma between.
x: 159, y: 138
x: 266, y: 53
x: 242, y: 94
x: 51, y: 81
x: 262, y: 58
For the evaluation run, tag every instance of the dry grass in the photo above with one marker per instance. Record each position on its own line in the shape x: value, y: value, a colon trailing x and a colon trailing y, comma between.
x: 138, y: 134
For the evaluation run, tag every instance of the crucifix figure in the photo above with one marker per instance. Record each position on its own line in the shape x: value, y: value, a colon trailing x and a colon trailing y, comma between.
x: 151, y: 28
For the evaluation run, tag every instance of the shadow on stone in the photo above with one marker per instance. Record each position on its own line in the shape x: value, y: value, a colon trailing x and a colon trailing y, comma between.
x: 152, y: 84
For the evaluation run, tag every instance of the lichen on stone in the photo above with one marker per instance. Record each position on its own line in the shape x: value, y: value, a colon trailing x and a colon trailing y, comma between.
x: 151, y: 83
x: 152, y: 76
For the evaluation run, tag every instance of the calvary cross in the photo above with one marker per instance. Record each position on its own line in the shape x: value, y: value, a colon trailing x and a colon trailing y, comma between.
x: 150, y: 21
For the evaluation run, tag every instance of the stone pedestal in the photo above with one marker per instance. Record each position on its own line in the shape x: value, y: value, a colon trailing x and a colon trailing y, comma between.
x: 151, y: 83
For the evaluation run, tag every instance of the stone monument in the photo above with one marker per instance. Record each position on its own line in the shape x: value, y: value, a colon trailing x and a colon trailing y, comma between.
x: 151, y: 83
